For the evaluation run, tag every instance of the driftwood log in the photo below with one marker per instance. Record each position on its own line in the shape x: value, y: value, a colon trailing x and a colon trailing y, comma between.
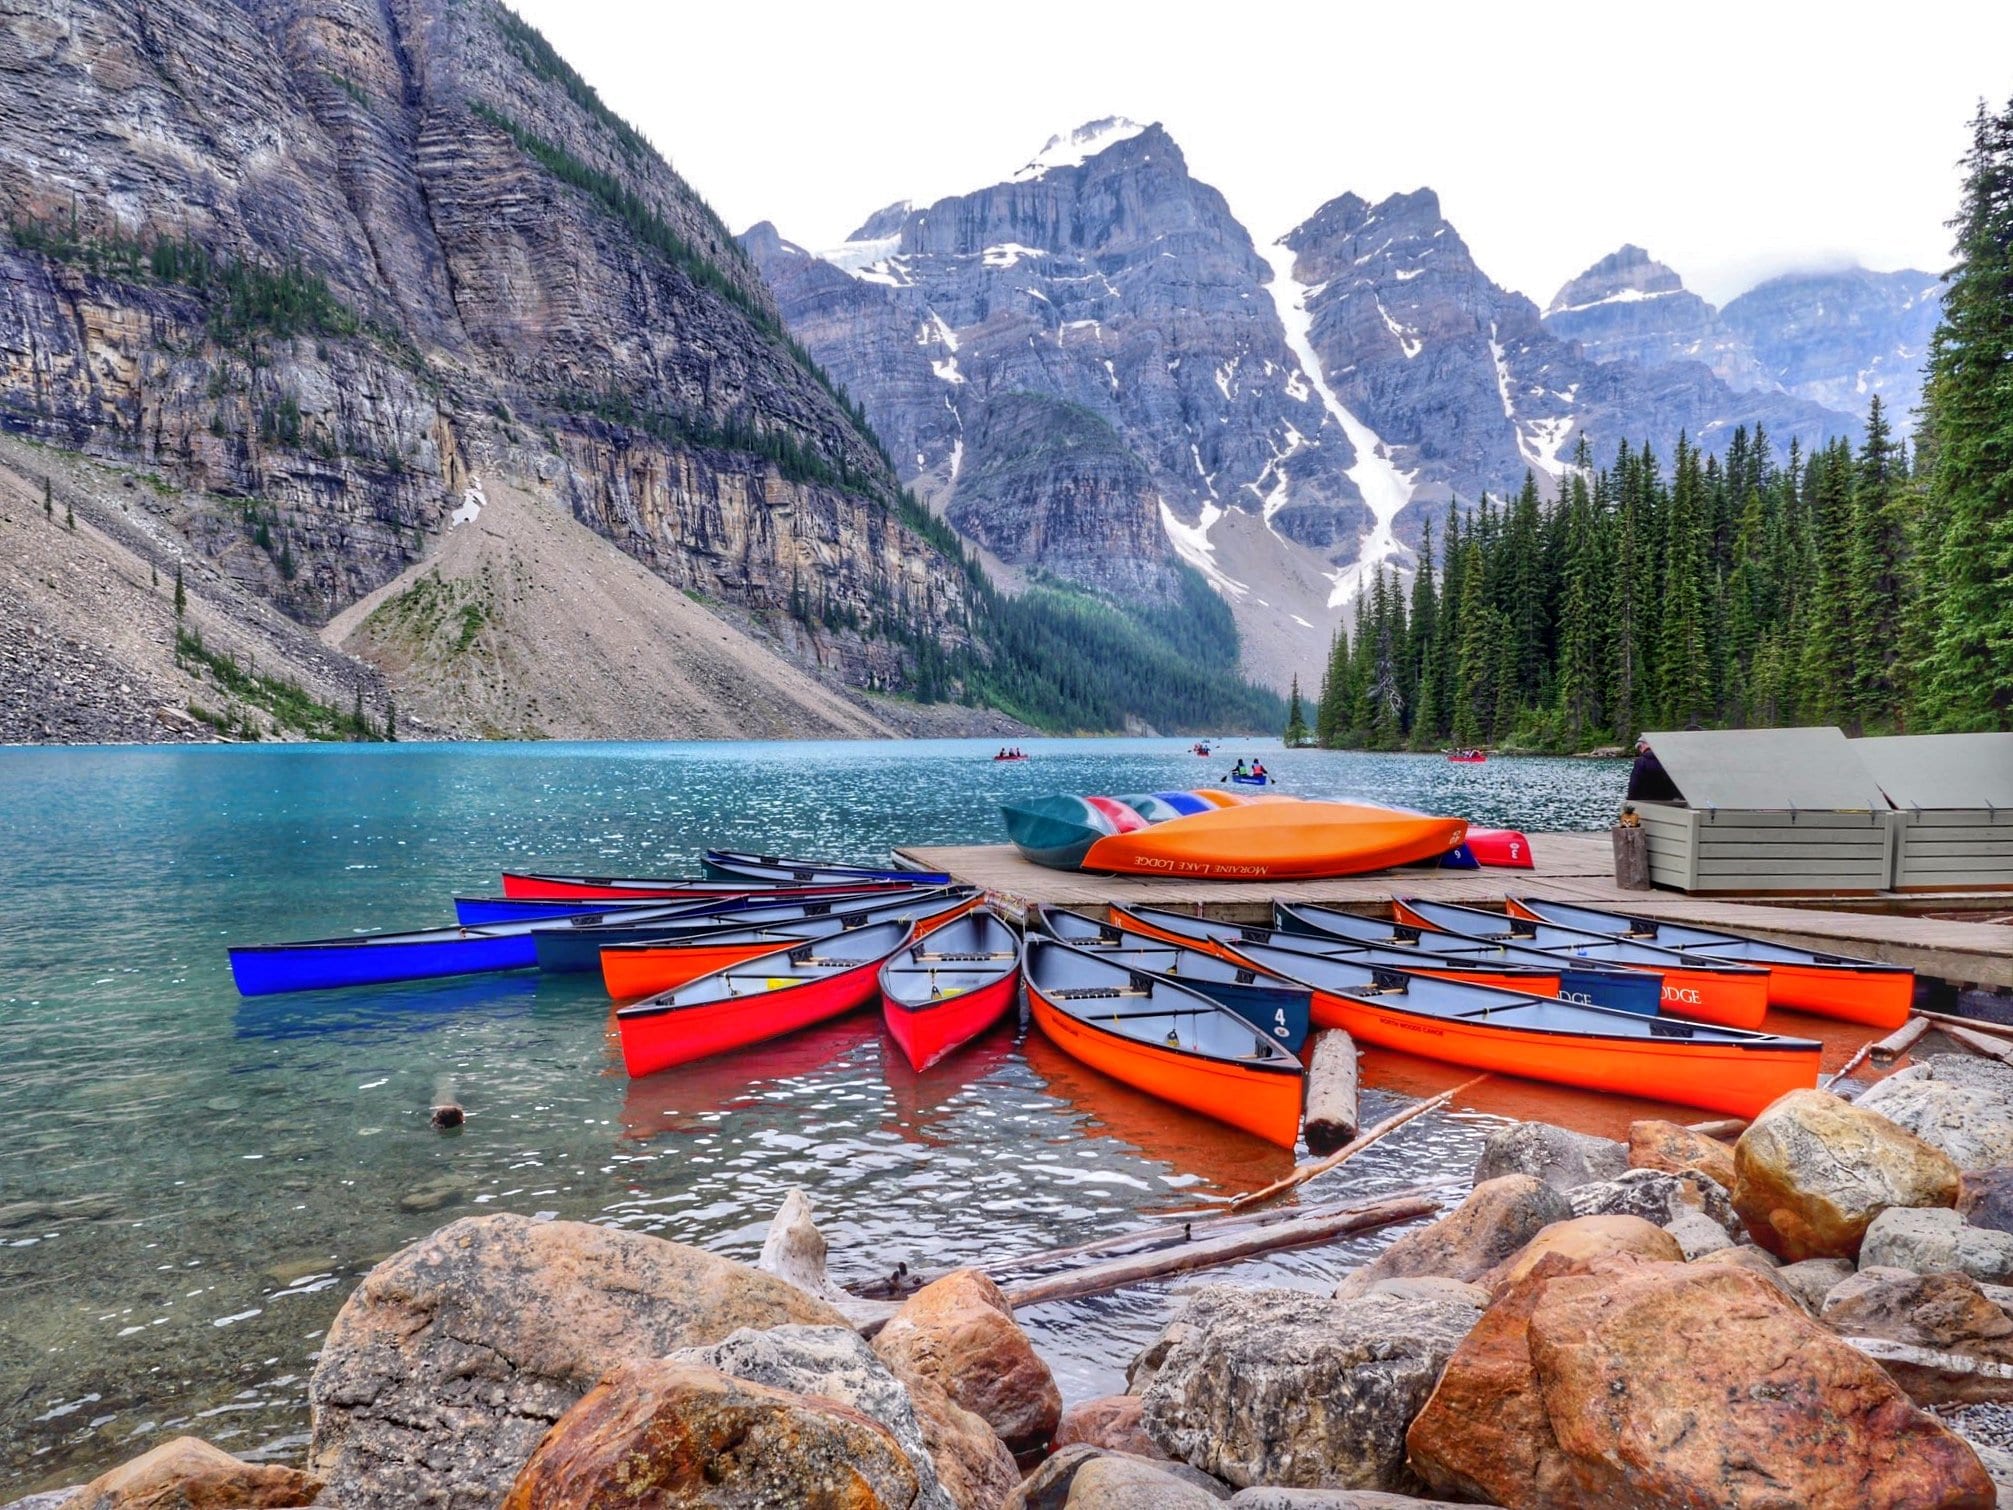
x: 1331, y: 1119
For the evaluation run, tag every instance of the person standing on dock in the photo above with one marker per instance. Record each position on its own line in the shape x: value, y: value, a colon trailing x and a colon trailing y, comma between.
x: 1648, y: 780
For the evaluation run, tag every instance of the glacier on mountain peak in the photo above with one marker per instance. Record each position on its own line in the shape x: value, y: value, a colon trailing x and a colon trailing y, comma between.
x: 1074, y: 148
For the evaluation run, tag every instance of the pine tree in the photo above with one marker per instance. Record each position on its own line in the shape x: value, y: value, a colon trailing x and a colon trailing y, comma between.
x: 181, y: 597
x: 390, y: 721
x: 1296, y: 719
x: 1967, y: 682
x: 1428, y: 695
x: 1879, y: 558
x: 1474, y: 674
x: 69, y: 517
x: 48, y: 500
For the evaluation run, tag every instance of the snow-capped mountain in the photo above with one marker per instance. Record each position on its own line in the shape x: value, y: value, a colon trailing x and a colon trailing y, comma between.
x: 1094, y: 371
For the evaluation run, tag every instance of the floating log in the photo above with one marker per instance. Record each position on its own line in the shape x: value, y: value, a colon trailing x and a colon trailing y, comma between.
x: 1099, y: 1279
x: 1901, y: 1040
x: 1304, y: 1172
x: 1331, y: 1092
x: 1970, y: 1032
x: 1719, y: 1127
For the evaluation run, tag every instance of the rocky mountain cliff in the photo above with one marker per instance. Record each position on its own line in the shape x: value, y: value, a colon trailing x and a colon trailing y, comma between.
x: 319, y: 266
x: 1294, y: 410
x: 1835, y: 337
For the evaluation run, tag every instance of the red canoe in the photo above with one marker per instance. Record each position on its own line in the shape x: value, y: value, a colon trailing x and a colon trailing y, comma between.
x: 941, y: 992
x: 1503, y: 848
x: 527, y: 886
x: 757, y: 999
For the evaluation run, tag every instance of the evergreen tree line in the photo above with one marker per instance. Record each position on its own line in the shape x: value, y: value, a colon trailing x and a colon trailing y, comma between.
x: 1856, y: 586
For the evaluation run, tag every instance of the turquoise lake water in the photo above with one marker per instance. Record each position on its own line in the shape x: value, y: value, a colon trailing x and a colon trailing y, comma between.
x: 190, y: 1182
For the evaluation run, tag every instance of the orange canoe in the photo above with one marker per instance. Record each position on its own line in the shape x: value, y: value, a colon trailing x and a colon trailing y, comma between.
x: 1161, y: 1038
x: 1624, y: 1053
x: 630, y: 971
x: 1277, y: 841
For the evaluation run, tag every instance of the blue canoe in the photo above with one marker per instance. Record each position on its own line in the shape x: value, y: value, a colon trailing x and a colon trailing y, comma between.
x: 485, y: 912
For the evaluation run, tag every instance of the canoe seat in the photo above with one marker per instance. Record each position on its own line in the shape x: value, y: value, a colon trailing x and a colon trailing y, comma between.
x: 979, y: 958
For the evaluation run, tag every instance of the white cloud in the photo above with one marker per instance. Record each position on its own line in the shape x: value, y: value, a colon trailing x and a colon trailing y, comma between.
x: 1731, y: 139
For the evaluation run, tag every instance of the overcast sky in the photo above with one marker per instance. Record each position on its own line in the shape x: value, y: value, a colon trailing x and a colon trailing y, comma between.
x: 1732, y: 140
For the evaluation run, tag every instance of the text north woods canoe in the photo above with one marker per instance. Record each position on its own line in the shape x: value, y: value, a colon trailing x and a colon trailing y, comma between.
x: 634, y: 970
x: 1164, y: 1039
x: 1834, y: 985
x: 761, y: 998
x: 1540, y: 1038
x: 1734, y: 996
x: 941, y: 992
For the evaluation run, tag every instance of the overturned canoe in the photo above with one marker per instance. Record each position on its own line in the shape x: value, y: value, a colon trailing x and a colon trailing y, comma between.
x: 1164, y: 1039
x: 736, y: 865
x: 1273, y: 1006
x: 1456, y: 957
x: 1501, y: 848
x: 1539, y: 1038
x: 645, y: 968
x: 1223, y: 836
x: 943, y: 991
x: 1833, y: 985
x: 762, y: 998
x: 1734, y: 996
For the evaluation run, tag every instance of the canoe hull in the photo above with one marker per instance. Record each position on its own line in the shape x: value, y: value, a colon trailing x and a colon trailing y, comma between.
x: 680, y: 1035
x: 1737, y: 1082
x: 267, y: 970
x: 1280, y: 841
x: 1265, y: 1103
x: 929, y: 1031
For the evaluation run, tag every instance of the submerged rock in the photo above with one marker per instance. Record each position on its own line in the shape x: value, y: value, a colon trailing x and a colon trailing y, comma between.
x: 1813, y: 1171
x: 669, y: 1435
x: 189, y: 1474
x: 1558, y: 1156
x: 959, y: 1333
x: 454, y: 1355
x: 1498, y: 1217
x: 1671, y: 1386
x: 1283, y: 1387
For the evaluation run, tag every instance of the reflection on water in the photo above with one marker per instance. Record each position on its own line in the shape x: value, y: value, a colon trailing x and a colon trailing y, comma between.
x: 190, y: 1183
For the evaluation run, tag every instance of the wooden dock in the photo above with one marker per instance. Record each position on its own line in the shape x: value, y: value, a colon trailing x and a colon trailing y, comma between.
x: 1569, y: 867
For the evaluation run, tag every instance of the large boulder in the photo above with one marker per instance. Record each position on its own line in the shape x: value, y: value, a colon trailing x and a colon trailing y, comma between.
x: 1986, y: 1197
x: 1583, y: 1239
x: 972, y: 1463
x: 837, y: 1364
x: 959, y: 1333
x: 1109, y: 1421
x: 1556, y: 1155
x: 187, y: 1473
x: 671, y: 1435
x: 1676, y: 1149
x: 1082, y: 1477
x: 452, y: 1358
x: 1673, y: 1386
x: 1937, y: 1240
x: 1289, y: 1388
x: 1957, y: 1103
x: 1656, y: 1195
x: 1498, y: 1217
x: 1951, y: 1344
x: 1813, y: 1171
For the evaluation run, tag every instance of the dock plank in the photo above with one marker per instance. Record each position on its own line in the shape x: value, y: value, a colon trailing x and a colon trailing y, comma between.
x: 1569, y: 867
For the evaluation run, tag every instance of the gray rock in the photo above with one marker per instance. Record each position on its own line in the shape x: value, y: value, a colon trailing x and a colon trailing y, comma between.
x: 1498, y: 1217
x: 1697, y: 1234
x: 835, y: 1362
x: 1813, y: 1279
x: 1558, y: 1156
x: 49, y: 1499
x: 1432, y: 1287
x: 1335, y: 1499
x: 1283, y: 1387
x: 1657, y: 1197
x: 1936, y: 1240
x: 1960, y: 1104
x: 1082, y: 1477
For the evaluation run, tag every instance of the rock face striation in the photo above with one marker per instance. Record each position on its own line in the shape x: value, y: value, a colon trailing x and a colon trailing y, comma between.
x: 406, y: 249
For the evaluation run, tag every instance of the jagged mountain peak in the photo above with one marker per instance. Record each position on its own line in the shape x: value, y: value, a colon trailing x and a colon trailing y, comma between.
x: 1624, y: 274
x: 884, y: 222
x: 1071, y: 149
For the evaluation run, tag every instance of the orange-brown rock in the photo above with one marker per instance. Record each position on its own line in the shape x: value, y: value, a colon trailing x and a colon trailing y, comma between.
x: 1813, y: 1171
x: 1953, y: 1344
x: 189, y: 1474
x: 1582, y: 1240
x: 670, y: 1435
x: 1109, y: 1421
x: 1676, y: 1149
x: 972, y: 1463
x: 959, y: 1333
x: 1661, y: 1386
x: 1498, y: 1217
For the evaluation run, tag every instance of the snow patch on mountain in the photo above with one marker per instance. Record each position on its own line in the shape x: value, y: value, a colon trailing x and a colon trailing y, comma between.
x: 1074, y: 148
x: 1191, y: 543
